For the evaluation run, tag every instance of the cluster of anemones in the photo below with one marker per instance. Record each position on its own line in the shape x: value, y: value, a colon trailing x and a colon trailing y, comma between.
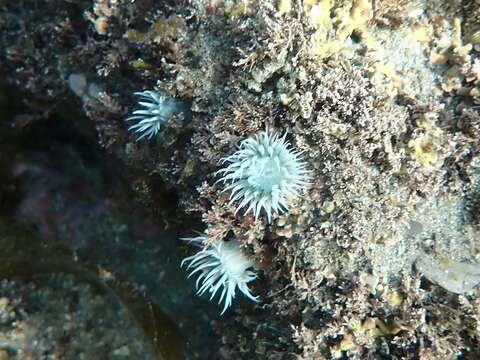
x: 264, y: 175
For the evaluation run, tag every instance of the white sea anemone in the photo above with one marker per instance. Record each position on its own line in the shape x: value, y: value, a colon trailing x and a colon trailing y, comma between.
x: 221, y: 265
x: 265, y: 173
x: 158, y: 108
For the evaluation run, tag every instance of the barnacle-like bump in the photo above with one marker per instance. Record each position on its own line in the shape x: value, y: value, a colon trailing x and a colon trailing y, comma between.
x: 265, y: 173
x: 221, y: 266
x: 158, y: 108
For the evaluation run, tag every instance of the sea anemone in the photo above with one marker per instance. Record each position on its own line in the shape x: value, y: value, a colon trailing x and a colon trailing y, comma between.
x: 265, y: 173
x: 158, y: 109
x: 222, y: 265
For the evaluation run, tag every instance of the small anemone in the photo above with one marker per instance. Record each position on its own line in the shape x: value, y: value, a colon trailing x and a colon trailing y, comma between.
x: 221, y: 265
x: 158, y: 108
x: 265, y: 173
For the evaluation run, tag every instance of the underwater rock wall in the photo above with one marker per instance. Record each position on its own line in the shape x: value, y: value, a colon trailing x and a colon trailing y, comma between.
x: 382, y: 99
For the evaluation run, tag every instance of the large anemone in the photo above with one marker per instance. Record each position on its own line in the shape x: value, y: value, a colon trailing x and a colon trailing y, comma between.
x: 265, y: 173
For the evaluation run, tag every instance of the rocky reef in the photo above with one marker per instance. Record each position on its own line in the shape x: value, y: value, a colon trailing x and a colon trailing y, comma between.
x: 378, y: 255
